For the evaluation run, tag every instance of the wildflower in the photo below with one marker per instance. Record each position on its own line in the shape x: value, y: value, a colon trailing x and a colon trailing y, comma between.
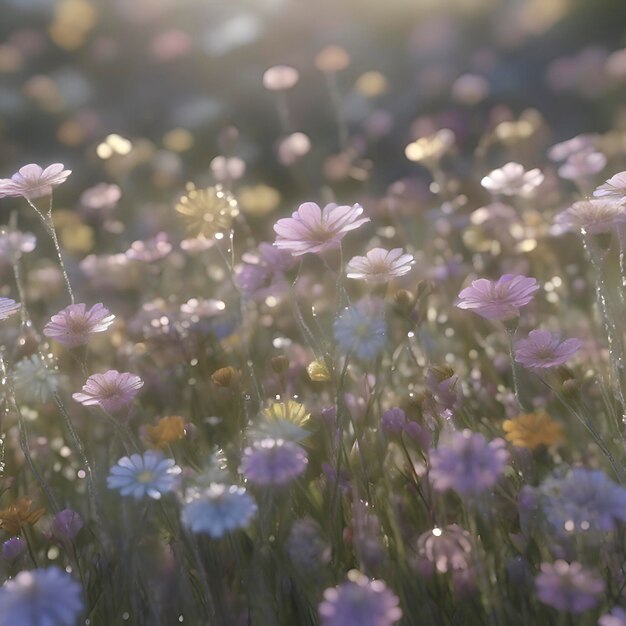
x: 218, y: 510
x: 617, y: 617
x: 447, y: 549
x: 532, y: 430
x: 207, y: 212
x: 359, y: 602
x: 318, y: 371
x: 592, y: 217
x: 226, y: 377
x: 34, y: 381
x: 14, y: 242
x: 150, y: 474
x: 613, y: 189
x: 8, y: 307
x: 393, y: 421
x: 263, y: 275
x: 580, y: 164
x: 361, y: 329
x: 280, y: 78
x: 75, y: 323
x: 512, y: 180
x: 568, y: 586
x: 258, y: 200
x: 65, y: 526
x: 41, y: 596
x: 581, y: 143
x: 273, y: 462
x: 18, y: 515
x: 101, y: 197
x: 429, y: 150
x: 31, y: 181
x: 111, y: 391
x: 500, y: 300
x: 166, y: 431
x: 12, y: 548
x: 468, y: 463
x: 307, y: 548
x: 311, y: 229
x: 380, y: 265
x: 151, y: 250
x: 543, y: 349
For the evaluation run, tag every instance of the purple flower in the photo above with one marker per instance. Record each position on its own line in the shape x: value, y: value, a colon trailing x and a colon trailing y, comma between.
x: 580, y: 164
x: 568, y: 586
x: 617, y: 617
x: 65, y: 526
x: 111, y: 391
x: 273, y: 462
x: 613, y: 189
x: 151, y: 250
x: 8, y: 307
x: 12, y: 548
x: 393, y: 421
x: 500, y: 300
x: 32, y: 181
x: 359, y: 602
x: 468, y: 463
x: 311, y: 229
x: 264, y: 275
x: 74, y: 324
x: 544, y: 349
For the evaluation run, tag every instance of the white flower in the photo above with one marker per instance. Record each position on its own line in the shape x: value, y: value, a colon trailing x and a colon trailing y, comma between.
x: 380, y: 265
x: 613, y: 189
x: 34, y: 381
x: 512, y: 180
x: 32, y: 181
x: 592, y: 216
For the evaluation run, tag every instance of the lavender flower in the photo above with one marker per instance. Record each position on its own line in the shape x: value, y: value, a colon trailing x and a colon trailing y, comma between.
x: 379, y: 266
x: 65, y: 526
x: 581, y: 164
x: 393, y: 421
x: 512, y: 180
x: 12, y: 548
x: 74, y: 324
x: 112, y: 391
x: 568, y: 586
x: 543, y: 349
x: 447, y: 549
x: 307, y: 549
x: 151, y: 250
x: 273, y: 462
x: 359, y: 602
x: 617, y: 617
x: 8, y: 307
x: 32, y: 181
x: 468, y: 463
x: 613, y: 189
x: 362, y: 329
x: 593, y: 217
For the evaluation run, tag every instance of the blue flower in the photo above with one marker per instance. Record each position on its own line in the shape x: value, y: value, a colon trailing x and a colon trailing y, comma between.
x: 150, y: 474
x: 41, y: 596
x: 361, y: 329
x: 218, y: 510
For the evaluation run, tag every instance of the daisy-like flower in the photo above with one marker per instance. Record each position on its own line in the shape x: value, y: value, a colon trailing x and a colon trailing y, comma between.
x: 362, y: 329
x: 543, y: 349
x: 32, y: 181
x: 151, y: 250
x: 150, y: 474
x: 581, y: 143
x: 273, y: 462
x: 111, y: 391
x: 8, y: 307
x: 207, y: 212
x: 75, y: 324
x: 40, y: 597
x: 380, y: 265
x: 568, y: 586
x: 499, y: 300
x: 532, y: 430
x: 19, y: 515
x: 311, y: 229
x: 580, y: 164
x: 613, y: 189
x: 360, y: 602
x: 283, y: 420
x: 34, y: 380
x: 468, y: 463
x: 513, y: 180
x: 218, y: 510
x: 594, y: 216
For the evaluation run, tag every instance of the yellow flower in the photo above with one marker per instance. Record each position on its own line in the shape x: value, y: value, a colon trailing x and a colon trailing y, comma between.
x: 532, y: 430
x: 290, y: 411
x: 432, y: 148
x: 167, y: 430
x: 258, y: 200
x: 318, y: 371
x: 207, y: 212
x: 18, y: 515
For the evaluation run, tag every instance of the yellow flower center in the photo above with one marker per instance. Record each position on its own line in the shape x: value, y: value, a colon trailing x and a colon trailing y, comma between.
x: 145, y: 477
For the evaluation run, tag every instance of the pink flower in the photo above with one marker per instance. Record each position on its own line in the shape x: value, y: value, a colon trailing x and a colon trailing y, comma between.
x: 111, y: 391
x: 32, y: 181
x: 545, y: 349
x: 582, y: 164
x: 379, y: 265
x: 8, y: 307
x: 614, y: 188
x: 311, y: 229
x: 74, y: 324
x: 499, y: 300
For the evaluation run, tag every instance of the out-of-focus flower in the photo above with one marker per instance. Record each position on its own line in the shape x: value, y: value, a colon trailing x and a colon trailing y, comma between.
x: 12, y: 548
x: 499, y: 300
x: 259, y: 200
x: 565, y: 149
x: 227, y: 169
x: 292, y: 148
x: 111, y: 391
x: 380, y: 265
x: 207, y: 212
x: 280, y: 78
x: 318, y: 371
x: 332, y: 59
x: 263, y: 275
x: 273, y: 462
x: 166, y: 431
x: 568, y: 586
x: 513, y: 180
x: 543, y: 349
x: 361, y: 329
x: 429, y: 150
x: 581, y: 164
x: 617, y: 617
x: 532, y: 430
x: 14, y: 242
x: 34, y: 380
x: 41, y: 596
x: 8, y: 307
x: 218, y: 510
x: 150, y: 474
x: 470, y: 89
x: 311, y: 229
x: 468, y: 463
x: 226, y: 377
x: 151, y: 250
x: 393, y: 421
x: 307, y: 548
x: 360, y: 602
x: 101, y: 197
x: 613, y: 189
x: 65, y: 526
x: 32, y: 181
x: 74, y: 325
x: 19, y: 515
x: 593, y: 217
x: 447, y: 549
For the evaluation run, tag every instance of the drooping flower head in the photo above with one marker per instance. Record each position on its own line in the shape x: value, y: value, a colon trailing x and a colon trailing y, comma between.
x: 593, y: 217
x: 273, y: 462
x: 75, y: 324
x: 361, y: 329
x: 148, y: 474
x: 111, y: 391
x: 532, y: 430
x: 41, y: 596
x: 468, y: 463
x: 543, y: 349
x: 32, y: 181
x: 613, y: 189
x: 360, y: 602
x: 499, y: 300
x: 311, y: 229
x: 568, y: 586
x: 8, y: 307
x: 379, y: 265
x: 513, y: 180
